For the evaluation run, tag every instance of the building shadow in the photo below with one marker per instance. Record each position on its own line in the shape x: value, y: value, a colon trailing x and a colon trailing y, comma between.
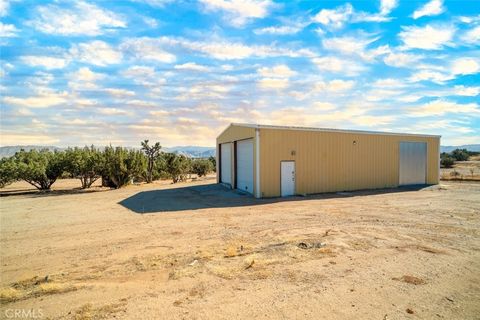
x: 219, y: 196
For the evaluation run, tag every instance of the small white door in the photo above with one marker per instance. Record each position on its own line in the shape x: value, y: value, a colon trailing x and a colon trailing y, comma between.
x: 412, y: 163
x: 226, y: 163
x: 245, y: 165
x: 287, y: 177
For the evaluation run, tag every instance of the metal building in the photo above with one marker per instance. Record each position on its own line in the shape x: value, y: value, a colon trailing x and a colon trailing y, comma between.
x: 272, y: 161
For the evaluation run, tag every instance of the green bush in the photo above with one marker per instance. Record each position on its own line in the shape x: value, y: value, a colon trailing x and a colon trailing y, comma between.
x: 447, y: 162
x: 201, y: 167
x: 123, y: 165
x: 213, y: 160
x: 86, y: 164
x: 460, y: 154
x: 8, y: 173
x: 39, y: 168
x: 177, y: 166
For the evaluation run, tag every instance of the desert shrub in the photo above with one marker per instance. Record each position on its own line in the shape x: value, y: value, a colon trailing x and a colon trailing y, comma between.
x: 160, y: 168
x: 123, y: 165
x: 152, y: 153
x: 39, y: 168
x: 177, y: 166
x: 447, y: 162
x: 201, y: 167
x: 460, y: 154
x: 86, y: 164
x: 8, y: 172
x: 213, y: 160
x: 454, y: 173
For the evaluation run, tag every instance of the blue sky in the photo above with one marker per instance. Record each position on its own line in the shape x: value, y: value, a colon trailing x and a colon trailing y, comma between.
x: 178, y: 72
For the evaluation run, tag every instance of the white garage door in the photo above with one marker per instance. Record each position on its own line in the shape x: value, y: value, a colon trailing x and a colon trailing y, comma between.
x: 226, y: 163
x: 413, y: 163
x: 245, y: 165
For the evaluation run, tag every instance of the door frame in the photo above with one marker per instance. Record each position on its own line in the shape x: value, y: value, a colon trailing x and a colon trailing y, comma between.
x: 235, y: 160
x: 295, y: 176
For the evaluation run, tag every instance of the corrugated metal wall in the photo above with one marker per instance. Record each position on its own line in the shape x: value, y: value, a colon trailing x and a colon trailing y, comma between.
x: 336, y: 161
x: 232, y: 134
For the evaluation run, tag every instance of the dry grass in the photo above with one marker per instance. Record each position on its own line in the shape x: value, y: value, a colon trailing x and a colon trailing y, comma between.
x: 90, y: 312
x: 33, y: 287
x: 9, y: 294
x: 410, y: 279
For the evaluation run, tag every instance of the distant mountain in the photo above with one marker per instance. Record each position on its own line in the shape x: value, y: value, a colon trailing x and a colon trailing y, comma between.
x: 469, y: 147
x: 9, y: 151
x: 189, y: 151
x: 192, y: 151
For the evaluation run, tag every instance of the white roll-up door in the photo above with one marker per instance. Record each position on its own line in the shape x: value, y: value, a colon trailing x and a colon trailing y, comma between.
x: 226, y: 163
x: 245, y: 165
x: 413, y: 163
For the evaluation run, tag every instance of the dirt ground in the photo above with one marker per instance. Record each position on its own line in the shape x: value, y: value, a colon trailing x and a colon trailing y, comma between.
x: 199, y: 251
x: 465, y: 170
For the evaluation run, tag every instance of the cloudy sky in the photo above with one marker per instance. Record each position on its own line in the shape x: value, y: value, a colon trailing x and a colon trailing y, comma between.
x: 178, y: 72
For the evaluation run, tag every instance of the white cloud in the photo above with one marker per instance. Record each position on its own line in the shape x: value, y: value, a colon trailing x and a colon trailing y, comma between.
x: 84, y: 79
x: 338, y: 17
x: 386, y: 6
x: 96, y: 52
x: 459, y: 66
x: 192, y: 66
x: 225, y: 50
x: 441, y: 107
x: 112, y: 111
x: 4, y: 6
x: 119, y: 92
x: 339, y: 65
x: 8, y: 30
x: 429, y: 75
x: 463, y: 66
x: 87, y: 75
x: 336, y: 85
x: 239, y: 12
x: 461, y: 90
x: 273, y: 83
x: 45, y: 61
x: 83, y: 19
x: 147, y: 49
x: 431, y: 8
x: 356, y: 46
x: 472, y: 36
x: 155, y: 3
x: 276, y: 77
x: 278, y: 71
x: 45, y: 98
x: 139, y: 72
x: 204, y: 90
x: 347, y: 44
x: 280, y: 30
x: 26, y: 139
x: 151, y: 22
x: 400, y: 59
x: 428, y: 37
x: 334, y: 18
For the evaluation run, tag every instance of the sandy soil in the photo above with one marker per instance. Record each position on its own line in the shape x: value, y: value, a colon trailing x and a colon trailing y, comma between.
x: 202, y: 252
x: 465, y: 169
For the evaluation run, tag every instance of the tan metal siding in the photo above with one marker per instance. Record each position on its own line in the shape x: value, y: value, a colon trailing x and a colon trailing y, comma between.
x: 236, y: 133
x: 329, y: 161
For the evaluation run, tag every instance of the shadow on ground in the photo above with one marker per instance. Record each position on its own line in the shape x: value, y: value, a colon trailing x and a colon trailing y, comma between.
x: 219, y: 196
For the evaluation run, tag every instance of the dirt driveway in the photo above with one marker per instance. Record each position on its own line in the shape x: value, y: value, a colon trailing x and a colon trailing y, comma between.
x: 198, y: 251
